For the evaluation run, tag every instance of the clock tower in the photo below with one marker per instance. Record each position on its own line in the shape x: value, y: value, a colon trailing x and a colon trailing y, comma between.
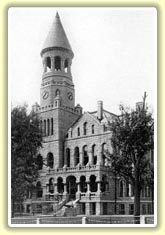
x: 57, y: 58
x: 57, y: 95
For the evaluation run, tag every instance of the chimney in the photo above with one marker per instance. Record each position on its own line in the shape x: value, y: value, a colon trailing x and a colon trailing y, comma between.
x: 100, y: 110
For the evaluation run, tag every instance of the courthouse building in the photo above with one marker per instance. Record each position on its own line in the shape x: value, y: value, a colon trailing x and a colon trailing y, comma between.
x: 74, y: 173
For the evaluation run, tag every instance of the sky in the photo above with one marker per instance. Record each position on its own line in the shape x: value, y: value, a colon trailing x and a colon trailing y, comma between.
x: 115, y: 54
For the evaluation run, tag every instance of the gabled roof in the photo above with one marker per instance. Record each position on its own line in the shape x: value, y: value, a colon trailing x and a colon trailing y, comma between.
x: 108, y: 117
x: 56, y: 37
x: 82, y: 116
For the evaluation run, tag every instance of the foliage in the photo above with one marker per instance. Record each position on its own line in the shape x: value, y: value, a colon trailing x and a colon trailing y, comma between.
x: 132, y: 140
x: 25, y: 140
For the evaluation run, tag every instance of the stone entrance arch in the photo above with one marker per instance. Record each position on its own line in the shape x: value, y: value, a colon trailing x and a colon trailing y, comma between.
x: 71, y: 187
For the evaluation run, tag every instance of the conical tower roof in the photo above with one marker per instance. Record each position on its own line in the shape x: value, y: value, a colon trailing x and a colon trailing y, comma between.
x: 56, y: 37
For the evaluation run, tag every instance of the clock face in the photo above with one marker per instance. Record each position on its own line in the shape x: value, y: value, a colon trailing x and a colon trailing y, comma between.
x: 45, y: 95
x: 70, y: 96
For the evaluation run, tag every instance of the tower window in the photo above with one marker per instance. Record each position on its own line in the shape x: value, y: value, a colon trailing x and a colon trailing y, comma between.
x: 48, y: 123
x: 51, y: 126
x: 44, y: 127
x: 57, y: 63
x: 66, y: 66
x: 48, y: 64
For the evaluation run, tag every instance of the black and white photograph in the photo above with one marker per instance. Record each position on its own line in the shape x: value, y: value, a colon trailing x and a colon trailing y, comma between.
x: 82, y: 128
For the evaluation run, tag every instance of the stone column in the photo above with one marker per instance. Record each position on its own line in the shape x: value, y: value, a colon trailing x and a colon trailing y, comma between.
x: 88, y: 187
x: 98, y: 187
x: 130, y: 190
x: 52, y: 63
x: 62, y: 64
x: 45, y: 65
x: 100, y: 159
x: 87, y: 208
x: 81, y: 158
x: 90, y: 156
x: 98, y: 208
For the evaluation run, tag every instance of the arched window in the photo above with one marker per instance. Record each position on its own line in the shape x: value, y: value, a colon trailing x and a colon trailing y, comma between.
x: 121, y: 189
x: 48, y: 127
x: 93, y: 129
x: 57, y: 63
x: 85, y: 128
x: 51, y: 185
x: 103, y: 183
x: 44, y: 127
x: 66, y: 66
x: 50, y: 160
x: 60, y: 185
x: 93, y: 184
x: 39, y: 162
x: 85, y: 155
x: 104, y: 148
x: 94, y: 154
x: 39, y: 189
x: 51, y: 126
x: 83, y: 184
x: 48, y: 64
x: 78, y: 131
x: 76, y: 156
x: 68, y: 157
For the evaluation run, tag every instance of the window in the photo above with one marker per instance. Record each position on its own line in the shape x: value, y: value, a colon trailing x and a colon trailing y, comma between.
x: 68, y: 157
x: 131, y: 209
x: 93, y: 208
x: 83, y: 208
x: 93, y: 183
x: 57, y: 63
x: 66, y: 66
x: 50, y: 160
x: 48, y: 127
x: 39, y: 162
x: 94, y: 154
x: 51, y: 126
x: 93, y: 129
x: 144, y: 211
x: 51, y: 185
x: 60, y: 185
x: 121, y: 187
x: 78, y: 131
x: 85, y: 155
x: 83, y: 184
x: 105, y: 208
x: 149, y: 209
x: 76, y: 156
x: 39, y: 189
x: 127, y: 189
x: 85, y: 128
x: 44, y: 127
x: 48, y: 64
x: 121, y: 209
